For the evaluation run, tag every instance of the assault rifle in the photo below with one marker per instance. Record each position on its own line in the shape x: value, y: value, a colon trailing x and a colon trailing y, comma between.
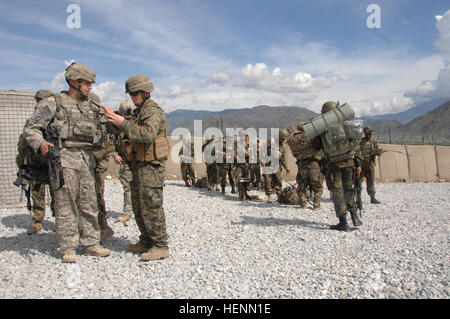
x: 56, y: 177
x: 22, y: 175
x: 358, y: 190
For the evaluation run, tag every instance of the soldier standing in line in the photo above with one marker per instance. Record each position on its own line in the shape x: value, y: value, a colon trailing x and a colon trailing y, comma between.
x: 273, y: 181
x: 344, y: 158
x: 80, y: 127
x: 369, y: 151
x: 212, y: 175
x: 123, y: 158
x: 186, y: 165
x: 27, y: 156
x: 101, y: 168
x: 307, y: 153
x: 255, y: 169
x: 227, y: 167
x: 148, y: 135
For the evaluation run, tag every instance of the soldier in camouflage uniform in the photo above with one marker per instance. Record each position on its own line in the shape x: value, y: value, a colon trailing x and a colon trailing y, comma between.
x: 148, y: 136
x: 212, y: 173
x: 273, y: 182
x: 101, y: 168
x: 81, y: 126
x: 369, y: 151
x: 255, y: 169
x: 123, y: 158
x: 27, y: 156
x: 342, y: 169
x: 187, y: 163
x: 307, y: 153
x: 228, y: 165
x: 242, y: 166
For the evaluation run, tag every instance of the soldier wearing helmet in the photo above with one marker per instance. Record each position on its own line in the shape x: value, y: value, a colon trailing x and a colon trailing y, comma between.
x: 308, y: 155
x: 148, y: 136
x: 369, y: 152
x: 80, y: 127
x: 343, y: 160
x: 273, y: 181
x: 26, y: 156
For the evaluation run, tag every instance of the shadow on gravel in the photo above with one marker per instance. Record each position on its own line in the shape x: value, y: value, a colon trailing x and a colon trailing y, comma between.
x: 44, y: 241
x: 24, y: 221
x: 270, y: 222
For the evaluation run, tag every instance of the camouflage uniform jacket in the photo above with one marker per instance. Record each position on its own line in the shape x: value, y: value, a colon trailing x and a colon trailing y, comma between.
x: 368, y: 147
x: 74, y: 155
x: 150, y: 121
x: 185, y: 158
x: 281, y: 153
x: 304, y: 148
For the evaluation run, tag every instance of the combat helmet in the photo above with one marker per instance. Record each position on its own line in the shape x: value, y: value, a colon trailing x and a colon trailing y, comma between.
x: 368, y: 130
x: 79, y: 72
x: 42, y: 94
x: 328, y: 106
x: 284, y: 134
x: 126, y: 108
x: 300, y: 126
x: 138, y: 82
x: 94, y: 97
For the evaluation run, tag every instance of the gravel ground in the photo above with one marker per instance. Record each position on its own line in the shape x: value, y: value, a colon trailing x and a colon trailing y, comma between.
x: 224, y: 248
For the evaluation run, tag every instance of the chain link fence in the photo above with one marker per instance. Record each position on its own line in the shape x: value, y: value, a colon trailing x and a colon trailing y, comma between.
x: 15, y: 108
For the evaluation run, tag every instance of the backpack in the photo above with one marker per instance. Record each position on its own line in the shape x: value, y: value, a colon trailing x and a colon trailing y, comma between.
x: 201, y: 183
x: 289, y: 196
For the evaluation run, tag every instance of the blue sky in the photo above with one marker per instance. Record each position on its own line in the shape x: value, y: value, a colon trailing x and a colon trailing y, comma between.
x: 231, y: 54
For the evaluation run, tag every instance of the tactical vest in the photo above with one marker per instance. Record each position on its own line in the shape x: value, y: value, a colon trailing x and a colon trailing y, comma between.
x: 301, y: 146
x: 80, y: 125
x: 151, y: 152
x: 366, y: 149
x: 340, y: 141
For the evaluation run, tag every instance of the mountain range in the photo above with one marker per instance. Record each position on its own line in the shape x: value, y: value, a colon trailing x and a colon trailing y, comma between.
x: 426, y: 122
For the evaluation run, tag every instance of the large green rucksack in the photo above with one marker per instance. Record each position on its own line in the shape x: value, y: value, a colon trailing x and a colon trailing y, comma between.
x: 340, y: 140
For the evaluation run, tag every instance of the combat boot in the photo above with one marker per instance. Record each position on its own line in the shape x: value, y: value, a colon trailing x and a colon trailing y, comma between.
x: 209, y: 187
x: 124, y: 218
x: 269, y: 198
x: 35, y: 228
x: 303, y: 204
x: 217, y: 188
x: 138, y: 248
x: 97, y: 250
x: 69, y: 256
x: 373, y: 200
x: 105, y: 231
x: 233, y: 189
x: 186, y: 183
x: 155, y: 253
x: 317, y: 206
x: 343, y: 225
x: 355, y: 219
x: 223, y: 190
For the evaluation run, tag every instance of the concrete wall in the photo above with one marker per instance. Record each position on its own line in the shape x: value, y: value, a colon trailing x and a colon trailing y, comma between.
x: 400, y: 163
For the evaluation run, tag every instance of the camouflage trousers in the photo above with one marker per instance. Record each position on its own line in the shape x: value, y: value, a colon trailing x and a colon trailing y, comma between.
x: 125, y: 177
x: 342, y: 187
x: 187, y: 171
x: 100, y: 174
x: 255, y: 174
x: 77, y: 210
x: 39, y: 202
x: 273, y: 182
x: 147, y: 201
x: 212, y: 174
x: 368, y: 172
x: 224, y: 170
x: 309, y: 175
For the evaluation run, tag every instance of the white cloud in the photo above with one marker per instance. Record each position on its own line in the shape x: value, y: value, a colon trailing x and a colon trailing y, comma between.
x: 259, y: 77
x: 110, y: 93
x: 440, y: 87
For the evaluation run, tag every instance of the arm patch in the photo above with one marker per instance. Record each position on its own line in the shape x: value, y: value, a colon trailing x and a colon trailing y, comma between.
x: 42, y: 115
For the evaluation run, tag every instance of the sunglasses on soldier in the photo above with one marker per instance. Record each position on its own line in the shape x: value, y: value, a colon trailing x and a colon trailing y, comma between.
x: 134, y: 93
